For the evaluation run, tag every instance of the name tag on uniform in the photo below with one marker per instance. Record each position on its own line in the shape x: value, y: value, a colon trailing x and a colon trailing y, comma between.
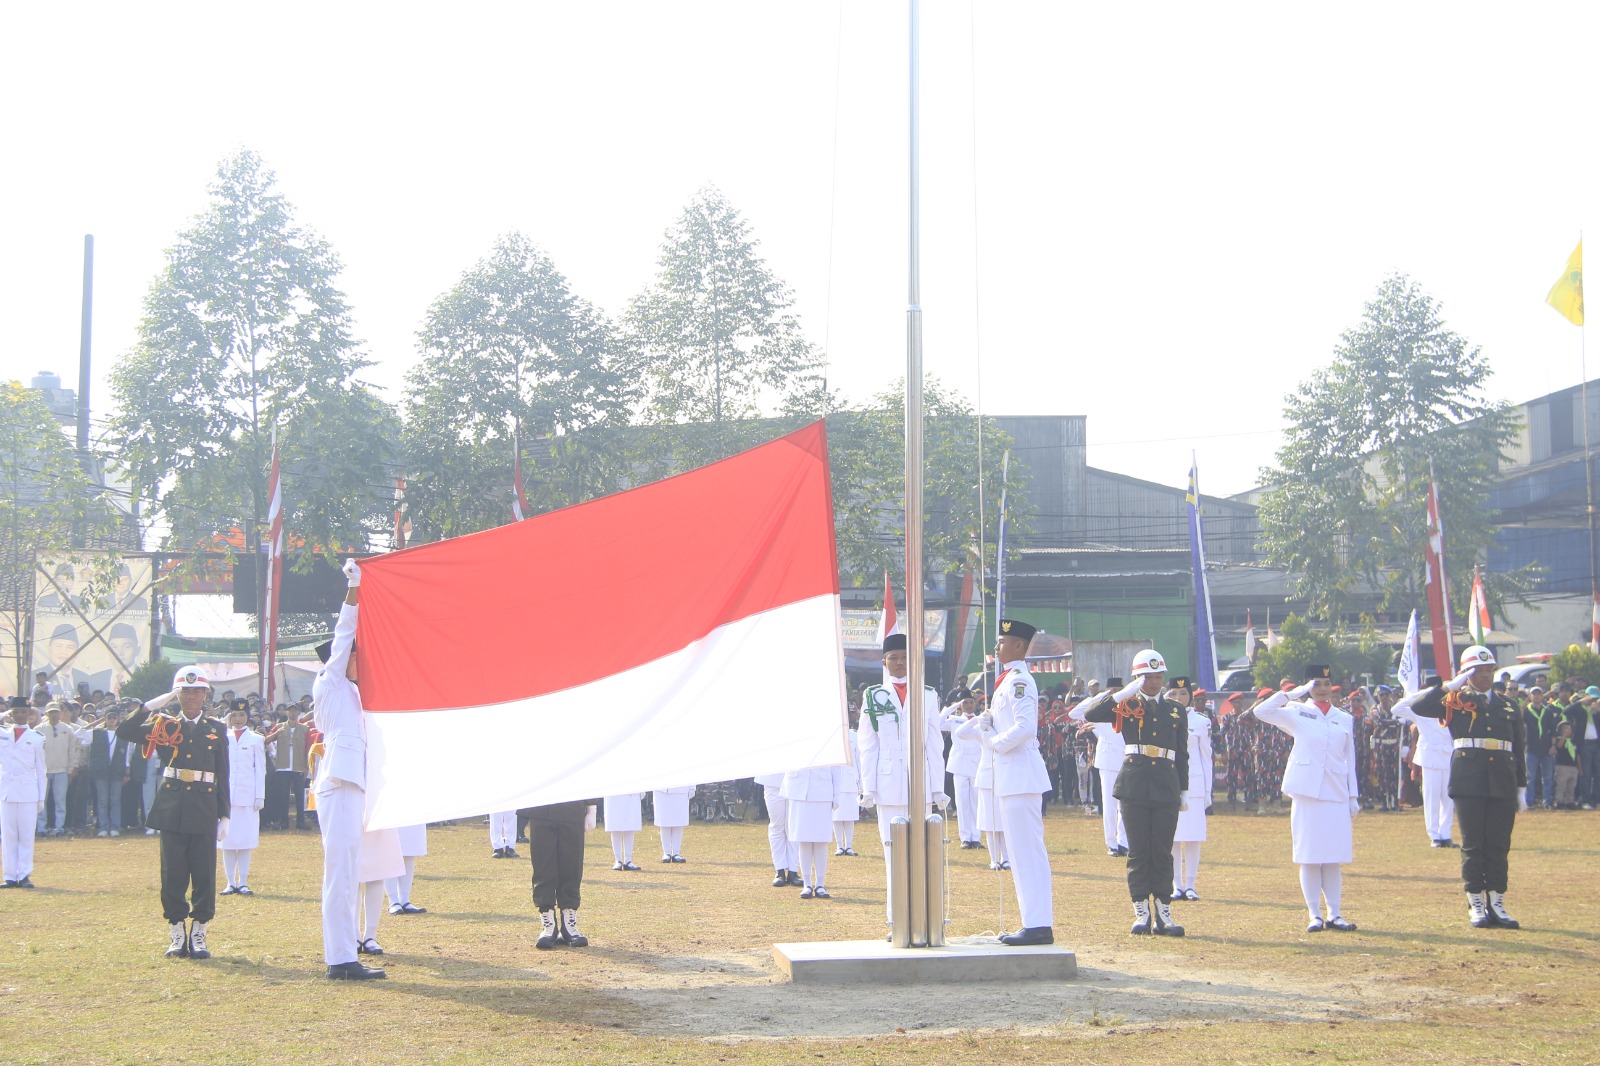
x: 1308, y: 714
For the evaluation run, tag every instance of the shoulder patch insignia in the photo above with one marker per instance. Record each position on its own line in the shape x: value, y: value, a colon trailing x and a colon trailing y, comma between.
x: 1020, y: 689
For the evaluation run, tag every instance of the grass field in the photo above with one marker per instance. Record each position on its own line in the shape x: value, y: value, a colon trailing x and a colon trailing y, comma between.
x: 681, y: 970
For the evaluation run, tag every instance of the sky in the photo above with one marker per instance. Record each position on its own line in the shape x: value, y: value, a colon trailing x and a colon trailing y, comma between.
x: 1159, y: 215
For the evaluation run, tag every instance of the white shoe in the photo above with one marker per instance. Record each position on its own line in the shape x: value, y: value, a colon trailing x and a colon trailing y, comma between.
x: 116, y: 832
x: 149, y: 832
x: 179, y: 937
x: 1502, y: 917
x: 102, y: 834
x: 197, y: 941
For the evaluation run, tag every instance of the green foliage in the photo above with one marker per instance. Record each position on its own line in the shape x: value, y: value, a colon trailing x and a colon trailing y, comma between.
x: 714, y: 334
x: 509, y: 352
x: 1300, y: 646
x: 152, y: 679
x: 1347, y: 514
x: 244, y: 330
x: 1576, y: 661
x: 46, y: 504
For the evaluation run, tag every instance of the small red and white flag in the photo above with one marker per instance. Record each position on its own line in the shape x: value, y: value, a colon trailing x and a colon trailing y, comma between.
x: 519, y: 497
x: 617, y: 646
x: 269, y: 611
x: 1438, y: 586
x: 1249, y: 637
x: 1478, y: 612
x: 888, y: 619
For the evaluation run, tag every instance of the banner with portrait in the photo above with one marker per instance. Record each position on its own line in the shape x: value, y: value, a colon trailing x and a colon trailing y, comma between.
x: 91, y: 622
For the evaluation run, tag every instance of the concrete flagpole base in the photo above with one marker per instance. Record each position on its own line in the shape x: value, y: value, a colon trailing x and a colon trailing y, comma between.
x: 846, y: 962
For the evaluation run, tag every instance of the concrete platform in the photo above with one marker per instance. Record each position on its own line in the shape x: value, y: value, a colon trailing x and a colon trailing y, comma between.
x: 845, y: 962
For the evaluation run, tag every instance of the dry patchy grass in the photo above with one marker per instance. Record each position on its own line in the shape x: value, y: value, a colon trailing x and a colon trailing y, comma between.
x: 681, y: 969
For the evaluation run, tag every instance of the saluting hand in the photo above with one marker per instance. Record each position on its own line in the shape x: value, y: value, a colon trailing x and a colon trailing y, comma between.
x: 352, y: 573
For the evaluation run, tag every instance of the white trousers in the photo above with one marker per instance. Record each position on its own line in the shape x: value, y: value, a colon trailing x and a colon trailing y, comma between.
x: 1111, y: 811
x: 339, y: 812
x: 785, y: 853
x: 1023, y: 818
x: 1438, y: 809
x: 502, y: 829
x: 17, y: 824
x: 966, y: 808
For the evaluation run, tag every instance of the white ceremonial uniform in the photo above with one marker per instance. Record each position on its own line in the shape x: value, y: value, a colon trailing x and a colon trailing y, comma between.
x: 986, y: 815
x: 1320, y: 777
x: 624, y: 814
x: 340, y: 788
x: 22, y: 789
x: 849, y: 809
x: 811, y: 796
x: 962, y: 766
x: 1010, y: 729
x: 413, y: 845
x: 413, y: 840
x: 247, y: 790
x: 785, y: 852
x: 1110, y: 750
x: 671, y: 816
x: 1202, y: 770
x: 884, y: 743
x: 1435, y: 746
x: 502, y: 829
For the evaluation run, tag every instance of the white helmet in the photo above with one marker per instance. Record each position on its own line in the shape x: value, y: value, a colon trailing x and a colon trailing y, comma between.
x: 1148, y: 661
x: 1476, y: 656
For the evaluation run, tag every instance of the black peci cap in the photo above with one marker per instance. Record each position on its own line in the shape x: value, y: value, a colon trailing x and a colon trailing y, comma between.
x: 892, y: 642
x: 1318, y: 673
x: 1010, y: 627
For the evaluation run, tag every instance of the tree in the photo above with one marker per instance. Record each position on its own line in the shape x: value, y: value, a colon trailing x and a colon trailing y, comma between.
x: 1346, y: 513
x: 509, y: 353
x: 1576, y: 661
x: 1301, y: 646
x: 47, y: 504
x: 714, y: 333
x: 244, y: 330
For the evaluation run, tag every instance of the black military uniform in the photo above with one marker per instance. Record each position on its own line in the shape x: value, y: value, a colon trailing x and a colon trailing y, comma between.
x: 1154, y: 777
x: 1487, y: 774
x: 555, y: 844
x: 192, y: 797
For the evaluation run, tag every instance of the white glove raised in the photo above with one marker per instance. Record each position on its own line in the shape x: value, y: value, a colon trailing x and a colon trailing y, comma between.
x: 589, y: 818
x: 868, y: 799
x: 1302, y: 691
x: 1355, y: 806
x: 352, y: 573
x: 1128, y: 691
x: 940, y: 800
x: 1183, y: 803
x: 222, y: 829
x: 1459, y: 681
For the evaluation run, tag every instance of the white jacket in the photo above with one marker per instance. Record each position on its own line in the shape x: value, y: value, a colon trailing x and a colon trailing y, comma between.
x: 1202, y: 771
x: 884, y: 742
x: 338, y: 711
x: 1322, y: 763
x: 823, y: 784
x: 247, y: 770
x: 1110, y: 750
x: 1435, y: 745
x: 22, y: 777
x: 965, y: 749
x: 1011, y: 730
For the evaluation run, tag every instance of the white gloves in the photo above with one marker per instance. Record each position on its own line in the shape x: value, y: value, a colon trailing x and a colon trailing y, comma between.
x: 1522, y: 801
x: 259, y: 804
x: 1130, y: 690
x: 589, y: 817
x: 1355, y: 806
x: 940, y: 800
x: 1183, y: 802
x: 41, y: 807
x: 352, y: 573
x: 1302, y: 691
x: 222, y: 829
x: 1459, y: 681
x: 868, y: 799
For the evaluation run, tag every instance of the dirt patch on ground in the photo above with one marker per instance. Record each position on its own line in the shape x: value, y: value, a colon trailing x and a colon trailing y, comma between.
x: 742, y: 996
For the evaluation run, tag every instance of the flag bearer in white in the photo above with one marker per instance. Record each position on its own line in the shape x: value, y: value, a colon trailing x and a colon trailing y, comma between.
x: 1320, y: 778
x: 986, y: 819
x: 1191, y: 831
x: 962, y: 764
x: 502, y: 834
x: 884, y: 743
x: 340, y: 788
x: 848, y: 810
x: 624, y: 819
x: 247, y: 787
x: 1435, y: 746
x: 785, y: 852
x: 1010, y: 729
x: 1110, y: 751
x: 22, y: 789
x: 413, y: 845
x: 671, y: 806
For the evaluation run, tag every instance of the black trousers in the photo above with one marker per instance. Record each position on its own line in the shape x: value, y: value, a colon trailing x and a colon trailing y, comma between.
x: 556, y: 849
x: 1150, y: 832
x: 188, y: 859
x: 1485, y: 841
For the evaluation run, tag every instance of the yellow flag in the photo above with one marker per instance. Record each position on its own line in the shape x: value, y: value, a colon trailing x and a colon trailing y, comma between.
x: 1566, y: 295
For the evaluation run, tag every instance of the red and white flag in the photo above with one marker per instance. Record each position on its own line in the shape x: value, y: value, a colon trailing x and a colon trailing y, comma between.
x: 632, y: 642
x: 1249, y: 638
x: 888, y: 619
x: 1444, y: 651
x: 268, y: 636
x: 1478, y: 623
x: 402, y: 520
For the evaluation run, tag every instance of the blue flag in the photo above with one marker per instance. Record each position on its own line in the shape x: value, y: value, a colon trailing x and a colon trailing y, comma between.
x: 1205, y: 667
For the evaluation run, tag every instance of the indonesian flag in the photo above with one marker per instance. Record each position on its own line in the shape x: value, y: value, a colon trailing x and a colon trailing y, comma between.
x: 1249, y: 637
x: 519, y: 495
x: 888, y: 619
x: 1444, y: 651
x: 681, y: 632
x: 1478, y: 612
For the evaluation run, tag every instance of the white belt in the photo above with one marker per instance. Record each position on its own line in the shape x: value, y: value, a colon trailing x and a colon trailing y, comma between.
x: 189, y: 775
x: 1151, y: 751
x: 1483, y: 742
